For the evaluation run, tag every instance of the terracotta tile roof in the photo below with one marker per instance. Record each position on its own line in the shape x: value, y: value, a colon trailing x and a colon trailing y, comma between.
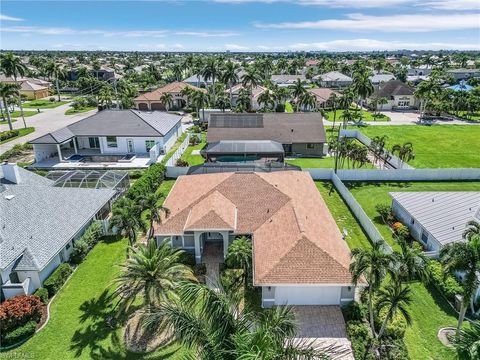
x: 322, y: 94
x: 295, y: 238
x: 256, y: 90
x: 173, y: 88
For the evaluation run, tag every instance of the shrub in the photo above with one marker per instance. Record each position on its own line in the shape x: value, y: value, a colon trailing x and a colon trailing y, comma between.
x: 393, y: 349
x: 18, y: 310
x: 19, y: 334
x: 395, y: 327
x: 148, y: 182
x: 5, y: 135
x: 385, y: 212
x: 361, y: 339
x: 52, y: 99
x: 397, y: 226
x: 93, y: 234
x: 187, y: 259
x: 448, y: 285
x: 80, y: 249
x: 196, y: 129
x: 181, y: 163
x: 194, y: 140
x: 55, y: 281
x: 354, y: 311
x: 42, y: 293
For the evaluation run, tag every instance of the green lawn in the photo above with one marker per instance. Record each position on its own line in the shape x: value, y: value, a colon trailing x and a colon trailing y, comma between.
x: 165, y: 188
x: 77, y: 328
x: 288, y: 107
x: 26, y: 113
x: 43, y: 104
x: 3, y: 122
x: 195, y: 159
x: 366, y: 116
x: 345, y: 220
x: 435, y: 146
x: 22, y: 132
x: 174, y: 148
x: 73, y: 111
x: 325, y: 162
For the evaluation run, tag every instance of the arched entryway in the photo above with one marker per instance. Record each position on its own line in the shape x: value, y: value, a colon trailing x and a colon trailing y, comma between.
x: 212, y: 244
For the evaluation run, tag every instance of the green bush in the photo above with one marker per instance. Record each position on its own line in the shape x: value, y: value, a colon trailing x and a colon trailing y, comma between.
x: 280, y: 108
x: 181, y: 163
x: 393, y: 349
x: 395, y: 328
x: 448, y: 285
x: 42, y: 293
x: 80, y: 250
x: 55, y: 281
x: 5, y: 135
x: 148, y: 182
x: 361, y: 339
x: 354, y: 311
x: 19, y: 334
x: 385, y: 212
x: 89, y: 239
x: 188, y: 259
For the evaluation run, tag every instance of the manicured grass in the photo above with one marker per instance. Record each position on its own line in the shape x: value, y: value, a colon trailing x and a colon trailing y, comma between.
x: 195, y: 159
x: 73, y: 111
x: 325, y: 162
x: 345, y: 220
x: 366, y: 116
x: 26, y: 113
x: 77, y: 328
x: 435, y: 146
x: 43, y: 104
x: 288, y: 107
x: 165, y: 188
x: 3, y: 122
x: 22, y: 132
x: 174, y: 148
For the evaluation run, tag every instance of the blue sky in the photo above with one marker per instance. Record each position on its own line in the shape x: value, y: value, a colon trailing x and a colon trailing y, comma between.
x: 240, y: 25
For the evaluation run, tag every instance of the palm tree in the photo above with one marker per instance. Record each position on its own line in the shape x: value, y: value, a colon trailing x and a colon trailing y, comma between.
x: 346, y: 116
x: 298, y: 89
x: 267, y: 98
x: 251, y: 79
x: 211, y: 70
x: 372, y: 264
x: 167, y: 100
x: 126, y: 218
x: 464, y: 257
x: 230, y: 76
x: 467, y: 342
x: 405, y: 151
x: 212, y: 322
x: 200, y: 99
x: 105, y: 97
x: 308, y: 101
x: 244, y: 100
x: 12, y: 65
x: 153, y: 272
x: 395, y: 298
x: 472, y: 230
x: 426, y: 91
x: 7, y: 92
x: 411, y: 263
x: 151, y: 202
x: 363, y: 86
x: 52, y: 68
x: 187, y: 92
x: 177, y: 72
x: 382, y: 101
x: 333, y: 99
x: 239, y: 256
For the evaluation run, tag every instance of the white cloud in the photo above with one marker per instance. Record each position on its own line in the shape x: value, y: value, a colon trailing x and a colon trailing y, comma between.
x: 235, y: 47
x: 9, y: 18
x: 451, y: 4
x: 387, y: 23
x: 205, y: 33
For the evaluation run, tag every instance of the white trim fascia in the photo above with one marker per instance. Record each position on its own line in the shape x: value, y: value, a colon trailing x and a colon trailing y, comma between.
x: 308, y: 285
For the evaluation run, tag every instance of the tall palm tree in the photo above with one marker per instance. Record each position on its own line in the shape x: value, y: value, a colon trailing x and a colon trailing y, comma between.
x: 239, y: 256
x: 126, y: 218
x: 12, y: 65
x: 373, y: 264
x: 53, y: 69
x: 267, y: 98
x: 467, y: 342
x: 187, y: 92
x: 177, y: 72
x: 251, y: 79
x: 230, y: 76
x: 151, y: 203
x: 333, y: 99
x: 395, y: 298
x: 472, y: 230
x: 298, y: 89
x: 308, y: 101
x: 363, y: 86
x: 7, y: 92
x: 167, y: 100
x: 211, y: 70
x: 244, y: 100
x: 153, y: 272
x: 216, y: 327
x: 427, y: 91
x: 200, y: 99
x: 411, y: 263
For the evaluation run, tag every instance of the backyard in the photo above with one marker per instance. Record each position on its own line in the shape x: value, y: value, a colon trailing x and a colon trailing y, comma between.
x: 195, y: 159
x: 448, y: 146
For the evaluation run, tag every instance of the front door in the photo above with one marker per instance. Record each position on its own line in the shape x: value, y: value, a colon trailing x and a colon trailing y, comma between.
x: 130, y: 147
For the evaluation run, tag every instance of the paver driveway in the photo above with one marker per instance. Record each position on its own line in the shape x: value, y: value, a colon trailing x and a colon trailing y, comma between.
x: 325, y: 326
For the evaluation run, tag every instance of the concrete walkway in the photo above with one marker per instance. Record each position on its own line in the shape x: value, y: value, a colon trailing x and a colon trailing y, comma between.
x: 47, y: 121
x: 212, y: 258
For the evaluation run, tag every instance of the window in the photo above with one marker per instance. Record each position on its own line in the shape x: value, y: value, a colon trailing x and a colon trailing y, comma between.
x: 149, y: 144
x: 310, y: 146
x: 424, y: 236
x: 111, y: 141
x: 412, y: 221
x: 94, y: 143
x: 68, y: 246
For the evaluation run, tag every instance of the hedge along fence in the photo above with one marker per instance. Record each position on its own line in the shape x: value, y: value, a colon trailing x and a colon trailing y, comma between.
x: 148, y: 182
x: 5, y: 135
x: 55, y: 281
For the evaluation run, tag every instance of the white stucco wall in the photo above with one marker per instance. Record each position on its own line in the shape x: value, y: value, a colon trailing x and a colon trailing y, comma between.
x: 138, y: 144
x: 44, y: 151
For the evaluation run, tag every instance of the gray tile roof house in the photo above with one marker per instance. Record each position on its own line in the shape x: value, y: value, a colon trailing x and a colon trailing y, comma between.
x: 38, y: 221
x: 436, y: 218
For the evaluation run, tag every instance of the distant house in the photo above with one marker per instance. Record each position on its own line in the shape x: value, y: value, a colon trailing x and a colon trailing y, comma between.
x: 31, y: 88
x: 256, y: 92
x: 299, y: 256
x: 301, y: 134
x: 39, y: 225
x: 377, y: 79
x: 105, y: 73
x: 422, y: 70
x: 464, y: 74
x: 287, y: 80
x: 152, y: 100
x: 198, y: 81
x: 398, y: 94
x: 333, y: 79
x: 110, y: 137
x: 322, y: 96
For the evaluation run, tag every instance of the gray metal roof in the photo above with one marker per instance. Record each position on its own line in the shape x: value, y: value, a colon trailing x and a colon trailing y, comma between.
x: 115, y: 123
x: 244, y: 147
x: 443, y: 214
x: 37, y: 216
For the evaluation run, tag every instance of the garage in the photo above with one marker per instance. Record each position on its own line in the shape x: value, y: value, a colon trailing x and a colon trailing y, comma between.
x: 157, y: 106
x: 143, y: 106
x: 307, y: 295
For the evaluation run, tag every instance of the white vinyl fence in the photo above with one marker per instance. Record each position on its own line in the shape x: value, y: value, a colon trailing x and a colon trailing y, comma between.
x: 179, y: 152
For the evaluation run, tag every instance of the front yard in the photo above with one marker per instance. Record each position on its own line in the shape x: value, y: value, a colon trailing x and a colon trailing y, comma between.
x: 21, y: 132
x: 366, y: 116
x: 448, y: 146
x: 43, y: 104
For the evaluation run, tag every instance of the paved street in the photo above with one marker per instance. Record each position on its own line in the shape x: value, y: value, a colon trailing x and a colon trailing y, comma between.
x: 48, y: 120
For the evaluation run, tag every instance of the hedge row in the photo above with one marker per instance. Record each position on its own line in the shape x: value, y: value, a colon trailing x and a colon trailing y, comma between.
x: 448, y: 285
x: 42, y: 293
x: 19, y: 334
x: 89, y: 239
x: 55, y: 281
x: 148, y: 182
x: 5, y: 135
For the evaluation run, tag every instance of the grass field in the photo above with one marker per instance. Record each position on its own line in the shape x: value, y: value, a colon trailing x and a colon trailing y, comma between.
x: 22, y: 132
x: 77, y: 328
x: 26, y: 113
x: 366, y: 116
x: 73, y: 111
x: 288, y: 107
x: 3, y: 122
x: 438, y: 146
x: 325, y: 162
x: 195, y: 159
x: 174, y: 148
x: 43, y: 104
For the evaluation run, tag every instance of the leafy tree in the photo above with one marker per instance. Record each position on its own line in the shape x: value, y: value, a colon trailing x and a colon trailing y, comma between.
x: 211, y: 70
x: 362, y: 86
x: 239, y: 256
x: 411, y: 263
x: 251, y: 79
x: 395, y: 298
x: 472, y: 230
x: 167, y: 100
x: 467, y: 342
x: 405, y: 151
x: 230, y: 76
x: 150, y: 202
x: 126, y: 218
x: 54, y: 69
x: 7, y: 92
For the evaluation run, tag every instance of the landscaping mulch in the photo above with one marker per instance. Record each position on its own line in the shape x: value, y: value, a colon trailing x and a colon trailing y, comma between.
x: 139, y: 340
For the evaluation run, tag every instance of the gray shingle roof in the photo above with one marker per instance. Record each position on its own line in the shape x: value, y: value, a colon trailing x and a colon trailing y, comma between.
x: 245, y: 146
x: 115, y: 123
x: 392, y: 88
x: 443, y: 214
x: 333, y: 76
x: 37, y: 216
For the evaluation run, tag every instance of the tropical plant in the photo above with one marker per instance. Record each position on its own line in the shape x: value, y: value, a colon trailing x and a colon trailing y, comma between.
x: 152, y: 272
x: 167, y: 100
x: 250, y: 79
x: 362, y: 86
x: 200, y: 100
x: 308, y: 101
x: 105, y: 97
x: 244, y: 99
x: 7, y: 92
x: 405, y: 151
x: 372, y: 264
x: 126, y: 218
x: 333, y: 99
x: 298, y: 89
x: 267, y: 98
x: 410, y: 264
x: 395, y: 298
x: 151, y: 204
x: 230, y: 76
x: 467, y: 342
x: 52, y: 68
x: 427, y: 91
x: 472, y: 230
x: 211, y: 70
x: 239, y: 256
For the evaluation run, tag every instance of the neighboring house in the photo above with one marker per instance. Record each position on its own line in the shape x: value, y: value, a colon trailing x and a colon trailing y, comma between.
x: 299, y: 256
x: 464, y: 74
x: 256, y: 92
x: 461, y: 86
x: 39, y: 224
x: 198, y: 81
x: 377, y: 79
x: 104, y: 74
x: 333, y: 79
x: 31, y: 88
x: 422, y: 70
x: 417, y: 79
x: 152, y: 100
x: 398, y: 94
x: 322, y: 96
x: 301, y: 134
x: 261, y: 151
x: 111, y: 136
x: 287, y: 80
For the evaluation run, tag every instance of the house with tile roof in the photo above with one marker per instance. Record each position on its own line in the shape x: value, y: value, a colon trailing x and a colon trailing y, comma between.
x: 152, y: 100
x: 30, y: 88
x: 322, y: 96
x: 39, y: 224
x: 256, y: 92
x: 399, y: 95
x: 299, y: 255
x: 109, y: 138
